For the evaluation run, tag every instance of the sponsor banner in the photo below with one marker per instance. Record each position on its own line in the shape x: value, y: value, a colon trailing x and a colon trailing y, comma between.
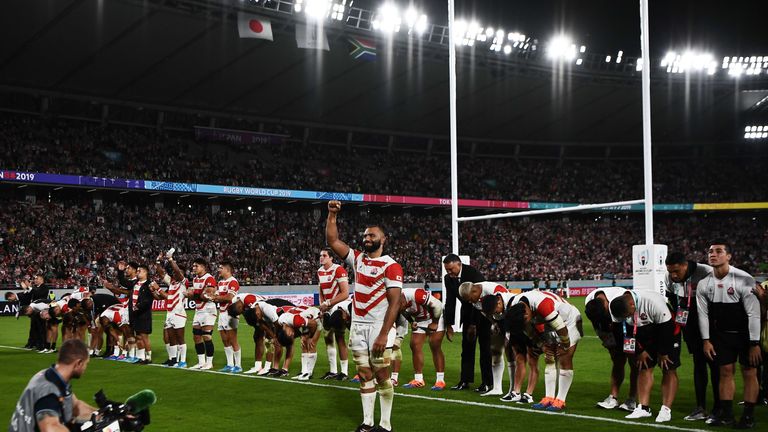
x: 731, y: 206
x: 132, y: 184
x: 580, y: 291
x: 399, y: 199
x: 70, y: 180
x: 648, y: 269
x: 297, y: 299
x: 159, y: 305
x: 237, y: 136
x: 8, y: 309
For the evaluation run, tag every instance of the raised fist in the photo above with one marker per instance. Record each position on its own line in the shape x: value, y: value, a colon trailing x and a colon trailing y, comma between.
x: 334, y: 206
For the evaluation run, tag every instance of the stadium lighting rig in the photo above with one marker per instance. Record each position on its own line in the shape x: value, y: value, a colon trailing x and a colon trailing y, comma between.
x: 562, y: 49
x: 753, y: 132
x: 751, y: 65
x: 689, y: 61
x: 390, y: 19
x: 319, y: 10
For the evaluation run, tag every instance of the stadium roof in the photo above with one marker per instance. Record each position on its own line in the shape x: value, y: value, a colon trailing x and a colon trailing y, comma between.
x: 188, y: 54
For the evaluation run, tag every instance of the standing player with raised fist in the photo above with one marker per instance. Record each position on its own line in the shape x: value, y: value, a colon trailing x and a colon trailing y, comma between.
x: 378, y: 283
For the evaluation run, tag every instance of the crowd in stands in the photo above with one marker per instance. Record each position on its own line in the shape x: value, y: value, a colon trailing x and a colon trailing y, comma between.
x: 71, y: 239
x: 76, y: 147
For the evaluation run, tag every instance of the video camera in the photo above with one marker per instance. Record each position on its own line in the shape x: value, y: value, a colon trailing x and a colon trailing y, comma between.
x: 113, y: 416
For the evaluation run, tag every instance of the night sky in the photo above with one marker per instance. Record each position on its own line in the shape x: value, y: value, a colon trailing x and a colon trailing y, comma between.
x: 606, y: 26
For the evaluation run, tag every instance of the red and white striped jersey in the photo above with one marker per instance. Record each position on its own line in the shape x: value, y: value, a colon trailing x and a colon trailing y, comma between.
x: 116, y: 314
x: 248, y: 299
x: 420, y: 304
x: 199, y: 284
x: 227, y: 286
x: 123, y: 299
x: 269, y: 311
x: 135, y: 292
x: 489, y: 288
x: 175, y: 303
x: 329, y: 281
x: 546, y: 307
x: 373, y: 277
x: 299, y: 316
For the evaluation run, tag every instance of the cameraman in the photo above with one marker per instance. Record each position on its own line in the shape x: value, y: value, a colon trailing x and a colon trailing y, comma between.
x: 48, y: 403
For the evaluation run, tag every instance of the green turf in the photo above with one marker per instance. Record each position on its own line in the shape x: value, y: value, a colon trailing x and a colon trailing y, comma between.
x: 189, y: 400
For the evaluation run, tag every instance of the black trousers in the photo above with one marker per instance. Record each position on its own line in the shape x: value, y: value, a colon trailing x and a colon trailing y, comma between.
x: 468, y: 345
x: 702, y: 366
x: 36, y: 332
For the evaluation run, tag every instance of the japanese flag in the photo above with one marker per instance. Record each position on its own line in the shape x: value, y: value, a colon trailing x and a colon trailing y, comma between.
x: 253, y: 26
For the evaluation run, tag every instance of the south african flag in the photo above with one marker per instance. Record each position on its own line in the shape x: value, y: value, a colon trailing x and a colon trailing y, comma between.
x: 362, y: 49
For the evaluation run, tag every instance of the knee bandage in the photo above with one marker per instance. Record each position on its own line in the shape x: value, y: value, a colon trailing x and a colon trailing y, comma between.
x: 361, y: 359
x: 367, y: 385
x: 397, y: 354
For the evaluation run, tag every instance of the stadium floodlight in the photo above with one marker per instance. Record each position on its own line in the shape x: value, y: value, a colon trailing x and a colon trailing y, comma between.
x: 507, y: 49
x: 607, y: 59
x: 579, y: 62
x: 689, y: 61
x: 337, y: 13
x: 639, y: 65
x: 416, y: 22
x: 753, y: 132
x: 387, y: 19
x: 317, y: 10
x: 561, y: 48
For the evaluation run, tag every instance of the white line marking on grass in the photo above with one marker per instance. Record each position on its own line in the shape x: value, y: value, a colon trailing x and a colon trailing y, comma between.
x: 18, y: 348
x: 437, y: 399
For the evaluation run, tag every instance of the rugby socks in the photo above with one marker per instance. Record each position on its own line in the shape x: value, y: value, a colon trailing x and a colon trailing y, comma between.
x: 304, y: 361
x: 238, y: 358
x: 395, y: 375
x: 200, y: 350
x: 331, y: 350
x: 440, y: 377
x: 311, y: 360
x: 344, y: 366
x: 229, y: 354
x: 257, y: 365
x: 149, y: 355
x: 173, y: 352
x: 141, y: 354
x: 418, y: 377
x: 369, y: 401
x: 498, y: 373
x: 208, y: 352
x: 116, y: 351
x: 550, y: 380
x: 132, y: 352
x: 386, y: 396
x: 564, y: 383
x: 727, y: 408
x: 749, y: 409
x: 511, y: 370
x: 182, y: 353
x: 168, y: 350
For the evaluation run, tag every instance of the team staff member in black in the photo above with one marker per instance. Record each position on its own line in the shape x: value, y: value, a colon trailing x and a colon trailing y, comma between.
x: 476, y: 326
x: 682, y: 278
x: 729, y: 320
x: 140, y: 312
x: 48, y: 403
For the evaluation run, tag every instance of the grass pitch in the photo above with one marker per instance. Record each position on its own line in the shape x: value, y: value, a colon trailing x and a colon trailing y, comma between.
x: 192, y: 400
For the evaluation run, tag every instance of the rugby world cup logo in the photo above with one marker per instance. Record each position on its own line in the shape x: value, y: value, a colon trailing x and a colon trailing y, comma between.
x: 643, y: 257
